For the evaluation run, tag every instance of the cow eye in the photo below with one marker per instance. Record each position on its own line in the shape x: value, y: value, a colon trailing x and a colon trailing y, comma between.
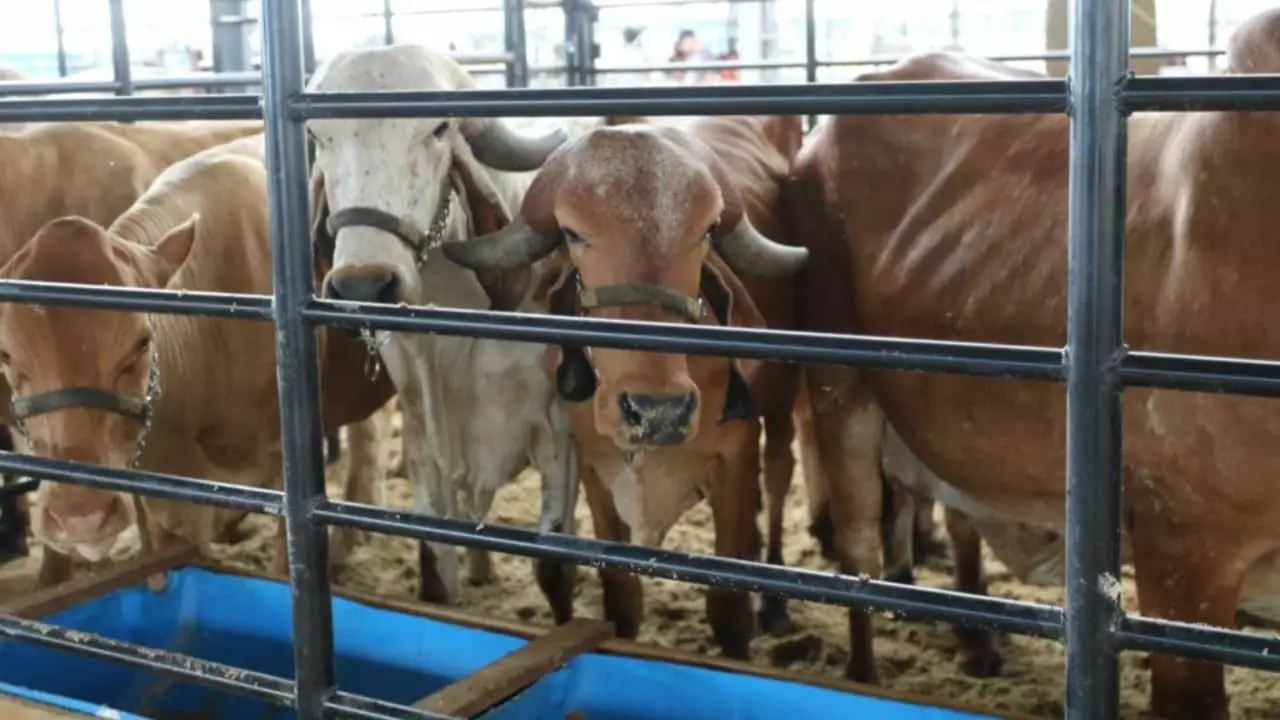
x: 142, y: 345
x: 4, y: 358
x: 572, y: 237
x: 440, y: 130
x: 711, y: 231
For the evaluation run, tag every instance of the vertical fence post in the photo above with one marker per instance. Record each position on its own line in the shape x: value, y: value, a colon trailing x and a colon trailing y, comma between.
x: 1099, y: 60
x: 388, y: 24
x: 297, y: 372
x: 60, y: 30
x: 308, y: 39
x: 120, y: 49
x: 516, y: 39
x: 811, y: 50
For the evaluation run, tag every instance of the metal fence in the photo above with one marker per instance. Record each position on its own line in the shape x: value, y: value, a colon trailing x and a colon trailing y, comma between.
x: 1095, y: 364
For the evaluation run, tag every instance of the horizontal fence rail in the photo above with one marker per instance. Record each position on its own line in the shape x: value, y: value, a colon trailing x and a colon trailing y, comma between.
x: 1094, y: 630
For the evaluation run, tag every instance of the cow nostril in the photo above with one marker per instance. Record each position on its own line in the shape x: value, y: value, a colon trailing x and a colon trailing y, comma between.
x: 630, y: 411
x: 371, y: 288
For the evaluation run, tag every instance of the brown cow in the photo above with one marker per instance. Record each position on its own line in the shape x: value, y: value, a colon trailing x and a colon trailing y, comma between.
x: 954, y: 227
x: 95, y: 170
x: 638, y: 209
x: 158, y: 392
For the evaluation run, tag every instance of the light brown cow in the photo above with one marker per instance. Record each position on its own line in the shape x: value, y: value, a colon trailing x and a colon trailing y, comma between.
x: 955, y: 227
x: 95, y: 170
x: 168, y: 393
x: 636, y: 211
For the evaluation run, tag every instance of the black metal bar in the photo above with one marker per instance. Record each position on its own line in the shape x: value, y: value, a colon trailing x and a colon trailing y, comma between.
x: 123, y: 74
x: 297, y: 365
x: 308, y: 38
x: 259, y: 686
x: 1095, y: 344
x: 388, y: 24
x: 167, y: 107
x: 151, y: 484
x: 823, y: 587
x: 1202, y: 642
x: 1188, y: 93
x: 783, y: 345
x: 61, y: 35
x: 1234, y: 376
x: 811, y: 49
x: 516, y: 43
x: 994, y: 96
x: 166, y: 302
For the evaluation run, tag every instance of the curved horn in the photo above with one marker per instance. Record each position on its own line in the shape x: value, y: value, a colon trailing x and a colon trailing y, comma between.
x: 515, y: 245
x: 500, y: 147
x: 749, y: 252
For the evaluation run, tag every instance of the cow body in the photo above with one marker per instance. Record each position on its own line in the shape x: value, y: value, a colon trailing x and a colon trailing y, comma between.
x: 955, y: 227
x: 631, y: 213
x: 477, y: 412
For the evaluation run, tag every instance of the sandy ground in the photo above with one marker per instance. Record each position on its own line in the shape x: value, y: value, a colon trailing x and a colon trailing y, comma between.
x: 914, y: 657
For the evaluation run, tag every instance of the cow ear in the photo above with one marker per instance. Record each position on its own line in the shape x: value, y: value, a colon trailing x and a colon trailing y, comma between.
x: 173, y: 250
x: 323, y: 244
x: 506, y: 288
x: 738, y: 403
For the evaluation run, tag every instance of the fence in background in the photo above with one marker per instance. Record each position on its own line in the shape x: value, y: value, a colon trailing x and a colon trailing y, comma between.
x: 1095, y: 365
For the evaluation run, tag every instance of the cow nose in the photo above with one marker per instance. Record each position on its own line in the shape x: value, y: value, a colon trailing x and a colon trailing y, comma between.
x: 84, y: 522
x: 657, y: 419
x: 380, y: 287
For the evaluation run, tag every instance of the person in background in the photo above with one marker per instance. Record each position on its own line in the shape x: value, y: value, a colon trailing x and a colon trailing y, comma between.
x: 628, y: 55
x: 688, y: 49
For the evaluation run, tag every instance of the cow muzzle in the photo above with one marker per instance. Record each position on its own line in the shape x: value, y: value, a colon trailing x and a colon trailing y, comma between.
x: 89, y: 527
x: 366, y: 285
x: 657, y: 420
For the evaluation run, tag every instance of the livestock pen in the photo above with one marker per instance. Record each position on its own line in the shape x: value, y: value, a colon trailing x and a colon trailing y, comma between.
x: 1095, y: 365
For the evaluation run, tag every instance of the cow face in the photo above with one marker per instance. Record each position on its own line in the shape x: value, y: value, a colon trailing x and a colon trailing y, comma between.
x: 386, y: 191
x: 80, y: 376
x: 637, y: 209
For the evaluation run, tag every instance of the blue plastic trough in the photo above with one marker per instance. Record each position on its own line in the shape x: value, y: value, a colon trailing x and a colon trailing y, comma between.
x: 385, y: 655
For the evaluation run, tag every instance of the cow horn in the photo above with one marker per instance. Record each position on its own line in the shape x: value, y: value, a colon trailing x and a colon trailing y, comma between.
x: 749, y: 252
x: 515, y: 245
x: 499, y: 146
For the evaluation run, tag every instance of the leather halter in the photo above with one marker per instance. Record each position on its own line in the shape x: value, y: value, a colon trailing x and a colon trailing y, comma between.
x: 575, y: 377
x: 93, y: 398
x: 420, y: 243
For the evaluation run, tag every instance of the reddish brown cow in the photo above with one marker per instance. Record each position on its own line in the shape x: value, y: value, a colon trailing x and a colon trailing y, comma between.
x: 636, y: 210
x: 954, y: 227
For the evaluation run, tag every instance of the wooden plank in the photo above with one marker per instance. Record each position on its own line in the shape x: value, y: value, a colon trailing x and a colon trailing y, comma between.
x: 82, y: 588
x: 15, y: 708
x: 633, y: 649
x: 517, y: 670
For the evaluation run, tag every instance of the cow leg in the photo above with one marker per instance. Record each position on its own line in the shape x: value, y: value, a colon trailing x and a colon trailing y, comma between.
x: 848, y: 428
x: 479, y: 560
x: 363, y: 477
x: 978, y: 654
x: 437, y: 564
x: 733, y: 509
x: 55, y: 568
x: 779, y: 465
x: 897, y: 531
x: 623, y: 593
x: 1178, y: 580
x: 556, y: 457
x: 924, y: 543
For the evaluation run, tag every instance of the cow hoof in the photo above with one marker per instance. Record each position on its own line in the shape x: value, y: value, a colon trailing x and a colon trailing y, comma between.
x: 774, y: 622
x: 982, y: 665
x: 862, y: 672
x: 157, y: 583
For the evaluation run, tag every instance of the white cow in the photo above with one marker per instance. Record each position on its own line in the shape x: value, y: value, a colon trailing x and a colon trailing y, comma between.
x: 477, y: 412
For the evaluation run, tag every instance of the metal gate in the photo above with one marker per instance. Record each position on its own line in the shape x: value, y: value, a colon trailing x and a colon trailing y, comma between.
x: 1095, y: 364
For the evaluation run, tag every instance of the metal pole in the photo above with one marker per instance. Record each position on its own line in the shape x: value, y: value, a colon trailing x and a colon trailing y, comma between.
x: 120, y: 49
x: 388, y: 23
x: 811, y: 49
x: 308, y: 39
x: 297, y: 371
x: 516, y: 43
x: 61, y: 36
x: 1099, y: 61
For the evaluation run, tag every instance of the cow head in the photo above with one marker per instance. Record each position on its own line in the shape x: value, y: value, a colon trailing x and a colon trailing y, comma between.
x: 85, y: 381
x: 386, y: 191
x: 638, y: 209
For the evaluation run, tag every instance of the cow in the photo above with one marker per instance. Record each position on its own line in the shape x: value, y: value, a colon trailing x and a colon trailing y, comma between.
x: 182, y: 395
x: 656, y: 222
x: 954, y: 227
x: 476, y: 411
x: 91, y: 169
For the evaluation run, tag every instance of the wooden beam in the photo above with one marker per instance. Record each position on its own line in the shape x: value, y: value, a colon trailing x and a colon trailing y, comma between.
x: 15, y: 708
x: 83, y: 588
x: 517, y: 670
